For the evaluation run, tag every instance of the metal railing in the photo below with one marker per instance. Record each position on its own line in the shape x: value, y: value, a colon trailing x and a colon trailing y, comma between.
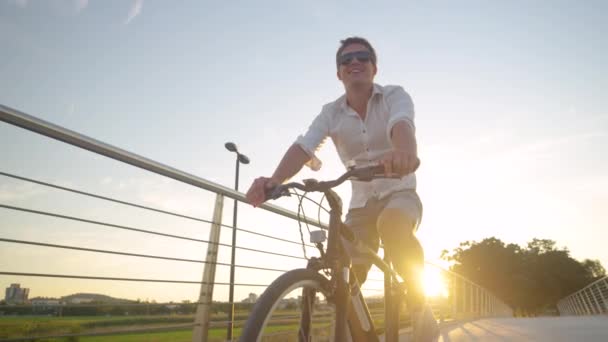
x: 590, y: 300
x: 464, y: 299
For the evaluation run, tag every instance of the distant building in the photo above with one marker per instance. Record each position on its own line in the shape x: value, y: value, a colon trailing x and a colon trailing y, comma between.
x: 79, y: 300
x: 41, y: 303
x: 15, y: 294
x: 252, y: 298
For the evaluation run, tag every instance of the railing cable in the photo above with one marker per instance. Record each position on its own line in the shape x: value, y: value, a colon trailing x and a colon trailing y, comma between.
x: 142, y: 230
x: 135, y: 255
x: 144, y: 207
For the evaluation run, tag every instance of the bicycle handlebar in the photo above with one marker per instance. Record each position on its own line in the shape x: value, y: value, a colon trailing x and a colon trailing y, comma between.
x: 364, y: 174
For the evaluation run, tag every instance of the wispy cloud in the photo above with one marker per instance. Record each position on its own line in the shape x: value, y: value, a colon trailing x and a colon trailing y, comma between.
x: 17, y: 192
x: 20, y: 3
x: 135, y: 10
x: 59, y: 6
x: 163, y: 194
x: 71, y: 109
x: 80, y: 5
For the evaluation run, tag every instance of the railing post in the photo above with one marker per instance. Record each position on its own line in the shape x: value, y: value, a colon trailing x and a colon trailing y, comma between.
x: 596, y: 303
x: 478, y: 301
x: 604, y: 299
x: 575, y: 305
x: 577, y: 310
x: 454, y: 298
x: 486, y: 300
x: 205, y: 299
x: 583, y: 298
x: 589, y: 301
x: 571, y: 307
x: 466, y: 301
x: 472, y: 300
x: 581, y: 304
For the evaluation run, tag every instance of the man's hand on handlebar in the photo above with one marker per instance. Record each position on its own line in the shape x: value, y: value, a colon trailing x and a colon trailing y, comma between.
x: 256, y: 194
x: 401, y: 162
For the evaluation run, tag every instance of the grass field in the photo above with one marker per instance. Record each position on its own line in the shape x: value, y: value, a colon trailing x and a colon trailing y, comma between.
x: 25, y: 326
x: 29, y: 326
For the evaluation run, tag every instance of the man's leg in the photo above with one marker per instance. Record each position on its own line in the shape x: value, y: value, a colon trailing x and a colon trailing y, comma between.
x: 397, y: 224
x: 362, y: 221
x: 397, y: 229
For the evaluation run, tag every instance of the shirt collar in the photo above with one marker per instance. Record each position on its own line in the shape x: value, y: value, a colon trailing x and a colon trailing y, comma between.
x: 376, y: 90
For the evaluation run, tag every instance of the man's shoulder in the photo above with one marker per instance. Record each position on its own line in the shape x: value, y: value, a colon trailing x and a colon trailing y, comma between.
x: 389, y: 89
x: 334, y: 106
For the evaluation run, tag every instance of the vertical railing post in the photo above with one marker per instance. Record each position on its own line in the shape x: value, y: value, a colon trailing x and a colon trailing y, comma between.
x: 205, y: 298
x: 583, y: 299
x: 465, y: 297
x: 596, y: 303
x: 577, y: 310
x: 589, y: 299
x: 454, y: 298
x: 604, y: 298
x: 571, y: 309
x: 477, y: 301
x: 471, y: 300
x: 580, y: 304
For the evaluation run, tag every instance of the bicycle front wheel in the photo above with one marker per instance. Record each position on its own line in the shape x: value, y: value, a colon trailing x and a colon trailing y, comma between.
x: 293, y: 308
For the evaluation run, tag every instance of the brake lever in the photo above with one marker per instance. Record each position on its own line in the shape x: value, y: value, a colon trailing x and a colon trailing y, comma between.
x: 278, y: 192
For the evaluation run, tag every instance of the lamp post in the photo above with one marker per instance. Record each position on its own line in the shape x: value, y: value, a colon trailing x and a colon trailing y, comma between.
x: 240, y: 158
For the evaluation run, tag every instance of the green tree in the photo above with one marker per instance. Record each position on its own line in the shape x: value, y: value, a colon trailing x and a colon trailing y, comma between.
x: 595, y: 268
x: 530, y: 279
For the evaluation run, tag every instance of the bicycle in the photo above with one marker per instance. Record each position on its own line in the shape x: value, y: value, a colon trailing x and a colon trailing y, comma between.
x: 329, y: 275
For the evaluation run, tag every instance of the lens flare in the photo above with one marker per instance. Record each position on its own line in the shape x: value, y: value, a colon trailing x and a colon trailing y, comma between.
x: 434, y: 283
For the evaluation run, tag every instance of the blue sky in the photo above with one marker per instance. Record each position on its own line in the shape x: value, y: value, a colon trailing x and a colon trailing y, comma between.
x: 511, y: 119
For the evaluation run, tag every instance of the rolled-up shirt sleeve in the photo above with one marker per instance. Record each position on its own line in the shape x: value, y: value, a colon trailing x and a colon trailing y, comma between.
x: 401, y: 108
x: 314, y: 138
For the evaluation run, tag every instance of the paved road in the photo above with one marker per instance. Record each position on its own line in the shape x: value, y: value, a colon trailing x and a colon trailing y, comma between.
x: 552, y: 329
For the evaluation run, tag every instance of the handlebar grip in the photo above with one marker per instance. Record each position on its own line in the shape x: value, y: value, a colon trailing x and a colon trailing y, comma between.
x: 276, y: 192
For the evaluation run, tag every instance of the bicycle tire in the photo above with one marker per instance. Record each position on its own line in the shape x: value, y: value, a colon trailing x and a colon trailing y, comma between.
x: 270, y: 299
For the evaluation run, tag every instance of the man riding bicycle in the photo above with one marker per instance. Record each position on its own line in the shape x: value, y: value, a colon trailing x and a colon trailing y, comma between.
x: 369, y: 124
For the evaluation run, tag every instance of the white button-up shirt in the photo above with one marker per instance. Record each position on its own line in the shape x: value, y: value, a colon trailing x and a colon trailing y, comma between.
x: 362, y: 142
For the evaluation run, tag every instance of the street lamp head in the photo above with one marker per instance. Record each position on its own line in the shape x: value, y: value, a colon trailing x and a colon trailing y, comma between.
x: 231, y: 147
x: 243, y: 159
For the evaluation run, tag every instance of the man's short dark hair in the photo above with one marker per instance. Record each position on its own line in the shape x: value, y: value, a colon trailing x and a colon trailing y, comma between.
x: 355, y: 40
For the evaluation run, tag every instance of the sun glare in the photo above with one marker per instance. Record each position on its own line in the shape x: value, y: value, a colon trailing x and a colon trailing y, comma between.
x: 434, y: 283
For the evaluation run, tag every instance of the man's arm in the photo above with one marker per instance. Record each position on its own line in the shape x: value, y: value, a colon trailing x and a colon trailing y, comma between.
x: 296, y: 156
x: 291, y: 163
x: 403, y: 159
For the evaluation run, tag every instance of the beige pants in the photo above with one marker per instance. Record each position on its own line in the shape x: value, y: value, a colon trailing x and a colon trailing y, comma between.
x: 364, y: 223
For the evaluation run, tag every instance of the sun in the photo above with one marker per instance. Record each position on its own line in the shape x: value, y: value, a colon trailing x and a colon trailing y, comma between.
x: 434, y: 283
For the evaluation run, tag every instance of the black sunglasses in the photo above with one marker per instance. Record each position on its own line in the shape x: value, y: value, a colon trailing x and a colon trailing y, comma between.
x: 361, y: 56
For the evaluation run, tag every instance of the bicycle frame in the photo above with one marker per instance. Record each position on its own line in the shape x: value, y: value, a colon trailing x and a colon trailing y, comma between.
x: 352, y: 311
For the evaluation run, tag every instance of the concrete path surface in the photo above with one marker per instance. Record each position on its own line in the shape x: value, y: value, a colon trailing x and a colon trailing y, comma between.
x: 552, y: 329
